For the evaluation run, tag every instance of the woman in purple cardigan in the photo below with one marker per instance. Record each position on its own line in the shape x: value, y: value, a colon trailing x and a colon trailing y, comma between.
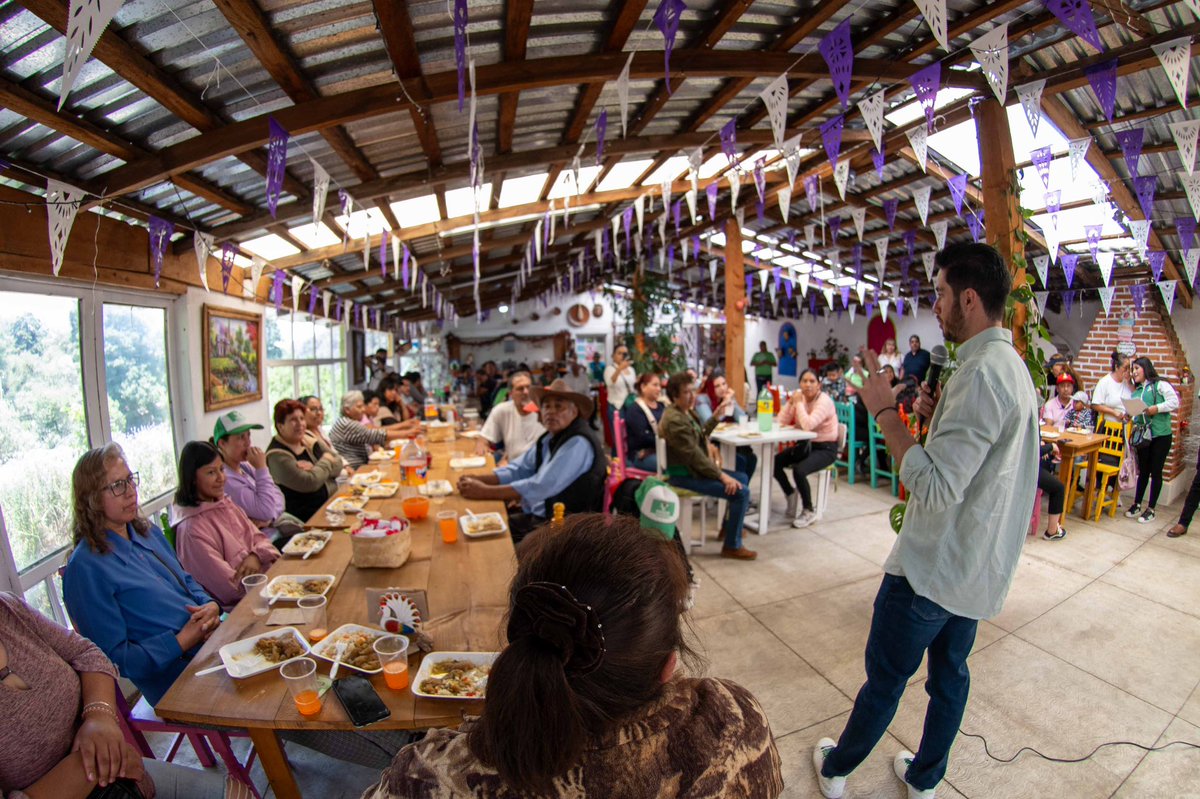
x: 248, y: 482
x: 217, y: 542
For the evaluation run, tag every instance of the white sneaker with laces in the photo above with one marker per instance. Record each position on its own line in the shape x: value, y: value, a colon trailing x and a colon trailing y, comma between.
x: 900, y: 764
x: 805, y: 519
x: 831, y: 787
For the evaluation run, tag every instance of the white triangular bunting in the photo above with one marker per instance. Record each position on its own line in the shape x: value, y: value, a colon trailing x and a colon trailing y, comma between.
x: 366, y: 252
x: 203, y: 244
x: 939, y: 233
x: 1185, y: 134
x: 86, y: 21
x: 537, y: 240
x: 297, y: 291
x: 320, y: 192
x: 1191, y: 185
x: 805, y: 278
x: 1140, y: 228
x: 735, y: 185
x: 1175, y: 56
x: 1077, y: 152
x: 1050, y: 234
x: 639, y: 210
x: 828, y: 292
x: 326, y: 299
x: 775, y: 98
x: 666, y: 194
x: 257, y: 265
x: 1040, y: 297
x: 1167, y: 288
x: 918, y: 137
x: 762, y: 279
x: 991, y: 51
x: 1106, y: 295
x: 871, y: 108
x: 860, y: 289
x: 1041, y: 263
x: 881, y: 247
x: 810, y: 236
x: 841, y: 175
x: 934, y: 12
x: 598, y: 244
x: 623, y: 93
x: 616, y: 226
x: 691, y: 204
x: 396, y: 258
x: 791, y: 154
x: 927, y: 260
x: 1104, y: 260
x: 62, y: 204
x: 785, y: 201
x: 859, y: 215
x: 921, y: 199
x: 662, y: 230
x: 1030, y: 95
x: 852, y: 309
x: 1190, y: 259
x: 884, y: 304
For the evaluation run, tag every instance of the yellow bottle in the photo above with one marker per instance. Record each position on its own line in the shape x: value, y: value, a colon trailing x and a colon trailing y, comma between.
x: 560, y: 511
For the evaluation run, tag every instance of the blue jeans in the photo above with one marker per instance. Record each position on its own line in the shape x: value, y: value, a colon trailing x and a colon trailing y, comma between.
x: 731, y: 530
x: 903, y: 627
x: 646, y: 464
x: 747, y: 462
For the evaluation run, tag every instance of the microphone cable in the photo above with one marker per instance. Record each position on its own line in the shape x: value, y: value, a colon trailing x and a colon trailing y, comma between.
x: 1088, y: 756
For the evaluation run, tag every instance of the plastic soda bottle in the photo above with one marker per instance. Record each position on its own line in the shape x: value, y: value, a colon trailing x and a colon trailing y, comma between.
x: 766, y: 410
x: 413, y: 465
x: 431, y: 411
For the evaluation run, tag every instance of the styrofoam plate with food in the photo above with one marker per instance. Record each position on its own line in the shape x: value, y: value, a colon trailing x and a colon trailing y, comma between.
x: 453, y: 675
x: 482, y: 525
x: 312, y: 541
x: 360, y: 652
x: 291, y: 587
x: 260, y: 653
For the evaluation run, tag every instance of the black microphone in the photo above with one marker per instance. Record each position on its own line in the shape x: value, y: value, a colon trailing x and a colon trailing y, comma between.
x: 938, y: 357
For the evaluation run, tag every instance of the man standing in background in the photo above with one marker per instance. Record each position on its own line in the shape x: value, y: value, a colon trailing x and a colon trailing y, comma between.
x: 764, y: 366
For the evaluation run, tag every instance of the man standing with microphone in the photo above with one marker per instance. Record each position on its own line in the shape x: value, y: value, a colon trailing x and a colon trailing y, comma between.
x: 971, y: 488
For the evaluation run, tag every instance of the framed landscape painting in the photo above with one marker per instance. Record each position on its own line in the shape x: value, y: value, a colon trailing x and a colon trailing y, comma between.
x: 233, y: 351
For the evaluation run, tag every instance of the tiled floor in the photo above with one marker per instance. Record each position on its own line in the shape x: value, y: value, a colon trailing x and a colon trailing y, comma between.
x: 1099, y: 641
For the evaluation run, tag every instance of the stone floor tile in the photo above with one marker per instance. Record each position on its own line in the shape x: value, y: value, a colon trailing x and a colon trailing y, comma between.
x: 1157, y: 573
x: 1174, y: 771
x: 1037, y: 587
x: 1088, y: 549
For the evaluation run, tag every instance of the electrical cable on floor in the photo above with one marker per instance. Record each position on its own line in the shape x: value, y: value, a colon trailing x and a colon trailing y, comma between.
x: 1088, y: 756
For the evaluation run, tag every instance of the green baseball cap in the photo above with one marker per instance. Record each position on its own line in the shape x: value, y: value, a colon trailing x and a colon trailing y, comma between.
x: 658, y: 505
x: 230, y: 424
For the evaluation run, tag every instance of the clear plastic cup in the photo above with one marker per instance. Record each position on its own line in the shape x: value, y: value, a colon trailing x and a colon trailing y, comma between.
x: 392, y: 651
x: 300, y: 675
x: 448, y: 525
x: 253, y: 585
x: 314, y: 609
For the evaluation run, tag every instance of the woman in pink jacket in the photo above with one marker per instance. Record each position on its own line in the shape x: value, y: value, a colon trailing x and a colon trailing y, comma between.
x: 808, y: 409
x: 215, y: 539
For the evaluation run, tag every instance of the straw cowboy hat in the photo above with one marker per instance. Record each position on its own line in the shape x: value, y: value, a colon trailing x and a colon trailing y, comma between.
x: 560, y: 389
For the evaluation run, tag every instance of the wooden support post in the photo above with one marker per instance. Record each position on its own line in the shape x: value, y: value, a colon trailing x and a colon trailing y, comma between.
x: 735, y: 313
x: 1001, y: 210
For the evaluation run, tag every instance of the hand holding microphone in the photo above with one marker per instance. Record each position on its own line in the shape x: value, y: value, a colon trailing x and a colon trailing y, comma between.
x: 925, y: 402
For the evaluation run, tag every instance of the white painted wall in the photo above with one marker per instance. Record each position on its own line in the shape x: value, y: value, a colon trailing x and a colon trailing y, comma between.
x: 546, y: 325
x: 188, y: 352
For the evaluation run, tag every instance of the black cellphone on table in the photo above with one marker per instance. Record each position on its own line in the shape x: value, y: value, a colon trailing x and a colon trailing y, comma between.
x: 362, y: 703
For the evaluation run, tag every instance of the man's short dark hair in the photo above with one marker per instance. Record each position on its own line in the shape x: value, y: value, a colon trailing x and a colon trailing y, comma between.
x: 676, y: 385
x: 381, y: 351
x: 831, y: 368
x: 979, y: 267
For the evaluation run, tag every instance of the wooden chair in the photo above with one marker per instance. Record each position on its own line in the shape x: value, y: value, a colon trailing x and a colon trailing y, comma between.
x: 1114, y: 446
x: 845, y: 417
x: 687, y: 500
x: 619, y: 470
x: 876, y: 447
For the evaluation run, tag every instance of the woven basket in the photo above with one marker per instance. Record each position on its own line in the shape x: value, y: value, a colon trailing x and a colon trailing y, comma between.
x: 386, y: 552
x: 439, y: 432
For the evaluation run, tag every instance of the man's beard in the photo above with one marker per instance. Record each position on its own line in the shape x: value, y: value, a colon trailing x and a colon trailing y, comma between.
x: 952, y: 324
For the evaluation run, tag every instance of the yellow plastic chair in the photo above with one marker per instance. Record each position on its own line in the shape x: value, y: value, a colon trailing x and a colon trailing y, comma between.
x: 1114, y: 446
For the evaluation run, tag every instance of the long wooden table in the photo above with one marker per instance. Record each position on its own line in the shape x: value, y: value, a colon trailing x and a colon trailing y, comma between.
x: 1072, y: 445
x: 466, y: 586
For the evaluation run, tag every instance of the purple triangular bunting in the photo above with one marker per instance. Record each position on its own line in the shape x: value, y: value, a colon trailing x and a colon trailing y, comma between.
x: 838, y: 53
x: 831, y: 137
x: 1103, y: 78
x: 1130, y: 142
x: 925, y: 82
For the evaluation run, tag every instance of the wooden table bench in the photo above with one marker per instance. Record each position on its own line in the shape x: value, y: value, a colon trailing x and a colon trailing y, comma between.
x: 466, y: 586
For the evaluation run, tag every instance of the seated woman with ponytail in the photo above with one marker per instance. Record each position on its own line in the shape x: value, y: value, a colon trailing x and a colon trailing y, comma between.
x: 585, y: 700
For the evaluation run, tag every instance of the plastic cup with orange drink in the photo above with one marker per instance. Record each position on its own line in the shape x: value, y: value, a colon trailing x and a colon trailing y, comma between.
x: 392, y: 651
x: 448, y: 524
x: 301, y: 678
x: 313, y: 608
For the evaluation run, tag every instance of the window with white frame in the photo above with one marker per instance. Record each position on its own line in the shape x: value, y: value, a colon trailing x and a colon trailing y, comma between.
x: 78, y: 368
x: 305, y: 355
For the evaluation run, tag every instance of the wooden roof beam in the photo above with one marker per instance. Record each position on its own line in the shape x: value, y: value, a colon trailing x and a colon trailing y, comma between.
x: 395, y: 25
x: 518, y: 14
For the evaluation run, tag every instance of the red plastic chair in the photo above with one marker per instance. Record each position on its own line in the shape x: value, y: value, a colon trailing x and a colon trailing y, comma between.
x: 619, y: 470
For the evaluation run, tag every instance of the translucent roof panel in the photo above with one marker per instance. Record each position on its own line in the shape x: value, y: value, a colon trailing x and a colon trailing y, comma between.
x: 671, y: 169
x: 320, y: 236
x: 624, y: 174
x: 269, y: 247
x: 564, y: 184
x: 522, y: 190
x: 365, y: 223
x: 461, y: 201
x: 417, y: 211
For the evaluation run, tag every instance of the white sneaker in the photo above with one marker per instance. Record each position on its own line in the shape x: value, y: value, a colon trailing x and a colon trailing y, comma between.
x: 805, y: 519
x: 831, y: 787
x: 900, y: 764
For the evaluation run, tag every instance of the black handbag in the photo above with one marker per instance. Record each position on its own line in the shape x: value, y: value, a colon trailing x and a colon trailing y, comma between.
x: 121, y: 789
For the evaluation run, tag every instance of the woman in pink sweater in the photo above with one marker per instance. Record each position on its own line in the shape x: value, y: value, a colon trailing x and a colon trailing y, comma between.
x: 808, y: 409
x: 215, y: 538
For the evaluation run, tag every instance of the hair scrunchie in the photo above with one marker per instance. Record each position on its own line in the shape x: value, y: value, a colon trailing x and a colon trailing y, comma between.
x: 550, y: 613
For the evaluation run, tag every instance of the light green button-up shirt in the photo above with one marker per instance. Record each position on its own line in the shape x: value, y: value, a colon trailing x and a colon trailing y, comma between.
x: 971, y: 485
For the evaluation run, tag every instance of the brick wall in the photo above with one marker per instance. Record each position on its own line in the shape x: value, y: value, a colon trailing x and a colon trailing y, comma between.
x: 1155, y: 338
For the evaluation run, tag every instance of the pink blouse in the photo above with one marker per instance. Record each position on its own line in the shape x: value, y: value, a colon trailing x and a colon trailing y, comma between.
x: 822, y: 420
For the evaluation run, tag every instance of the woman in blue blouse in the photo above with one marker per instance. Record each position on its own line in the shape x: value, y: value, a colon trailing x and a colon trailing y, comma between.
x: 123, y: 585
x: 641, y: 423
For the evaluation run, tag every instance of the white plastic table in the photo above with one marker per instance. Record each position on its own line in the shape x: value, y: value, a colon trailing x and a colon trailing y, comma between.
x: 748, y: 435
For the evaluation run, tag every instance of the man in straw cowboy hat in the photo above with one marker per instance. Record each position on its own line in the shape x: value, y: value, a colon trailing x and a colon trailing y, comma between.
x: 567, y: 465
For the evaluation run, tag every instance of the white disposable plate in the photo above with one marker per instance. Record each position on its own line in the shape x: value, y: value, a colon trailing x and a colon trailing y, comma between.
x: 381, y: 490
x: 436, y: 488
x: 326, y: 648
x: 473, y: 462
x: 269, y: 589
x: 465, y: 522
x: 423, y: 673
x: 1049, y: 436
x: 347, y: 504
x: 241, y: 662
x: 291, y: 547
x: 382, y: 455
x: 366, y: 478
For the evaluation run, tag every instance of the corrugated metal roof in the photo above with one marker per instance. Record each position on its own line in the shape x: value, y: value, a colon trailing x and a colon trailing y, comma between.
x: 336, y: 47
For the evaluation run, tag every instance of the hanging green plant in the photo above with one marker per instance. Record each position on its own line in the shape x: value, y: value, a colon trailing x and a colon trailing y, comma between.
x: 651, y: 324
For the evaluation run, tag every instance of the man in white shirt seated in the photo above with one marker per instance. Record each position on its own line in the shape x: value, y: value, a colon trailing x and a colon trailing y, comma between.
x: 513, y: 425
x: 577, y: 378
